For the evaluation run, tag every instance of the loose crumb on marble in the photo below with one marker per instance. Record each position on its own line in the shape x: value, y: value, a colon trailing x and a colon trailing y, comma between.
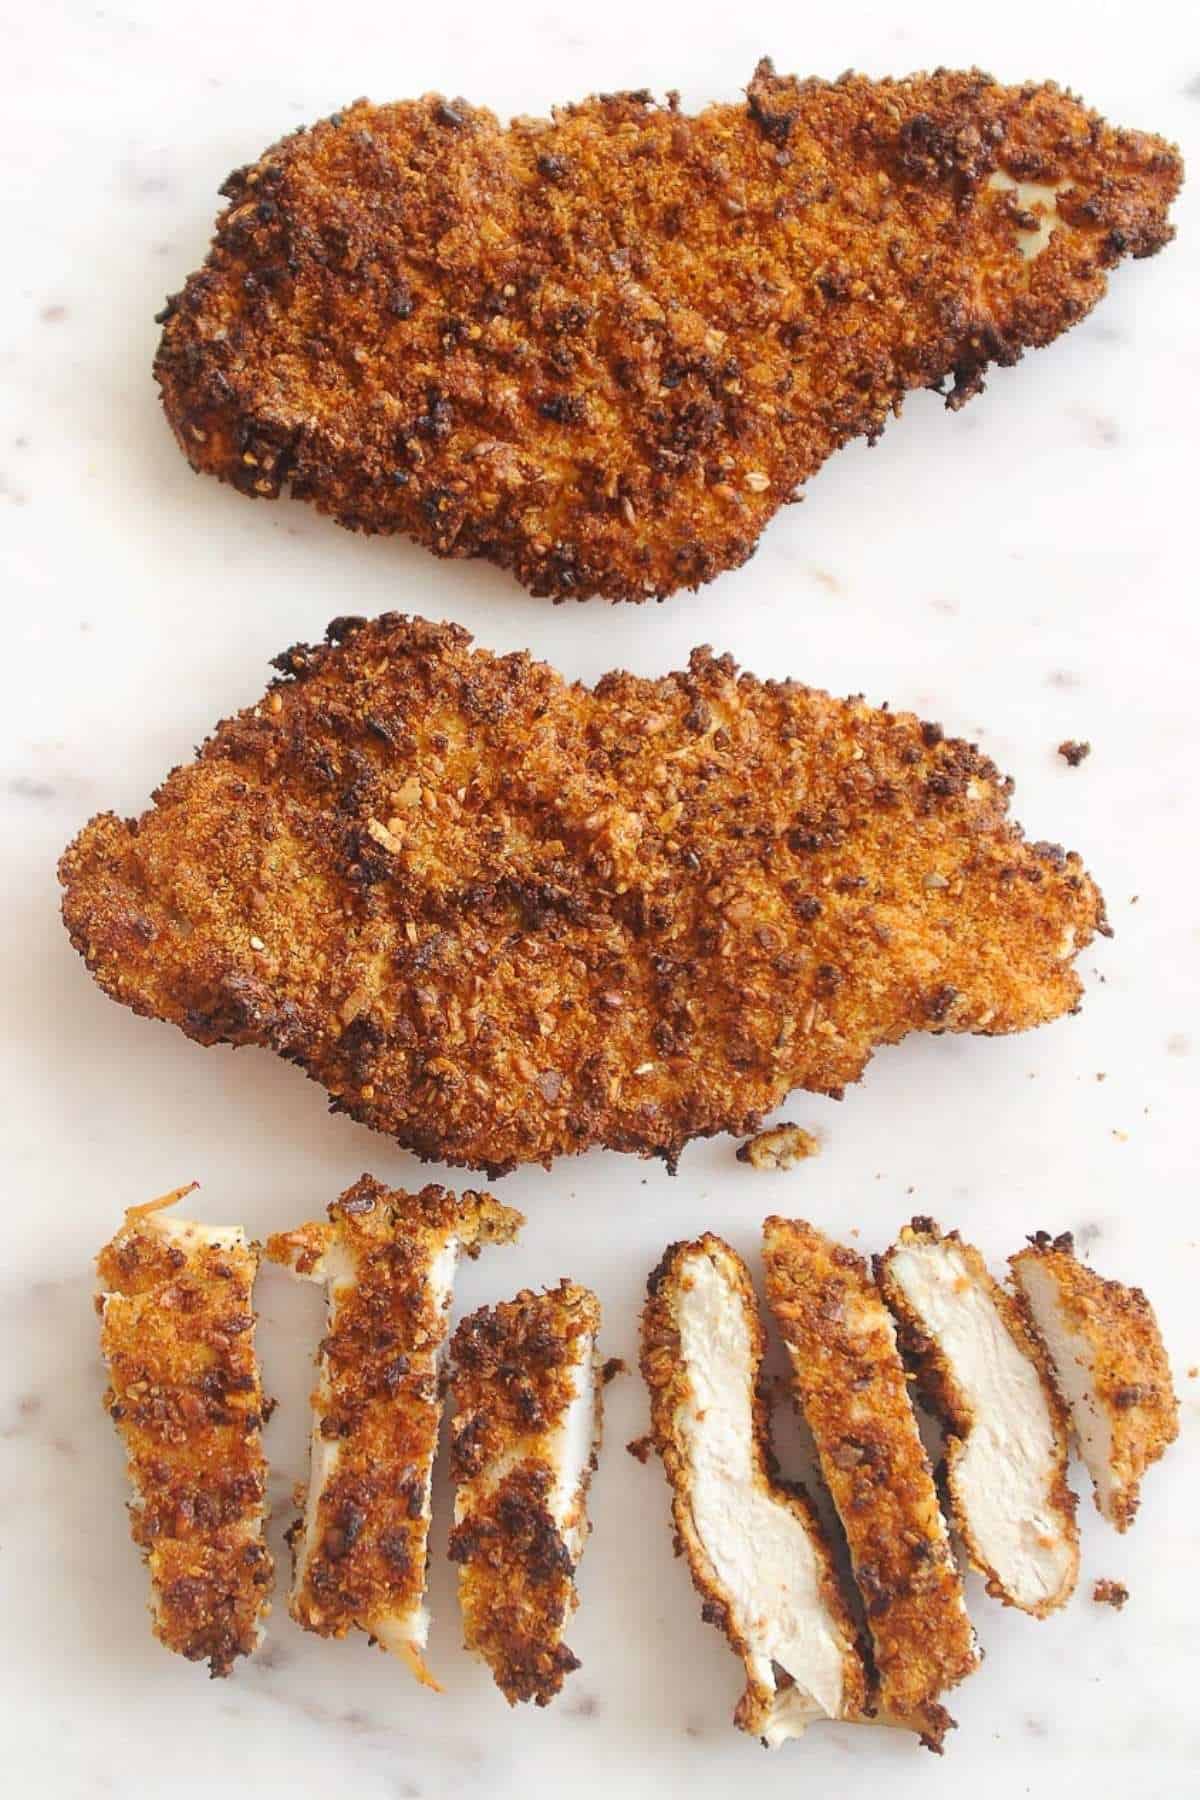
x: 1110, y: 1593
x: 782, y: 1147
x: 1074, y: 752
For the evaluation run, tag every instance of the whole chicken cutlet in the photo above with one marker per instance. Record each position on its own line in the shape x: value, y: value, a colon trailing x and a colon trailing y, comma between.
x: 603, y: 349
x: 503, y: 917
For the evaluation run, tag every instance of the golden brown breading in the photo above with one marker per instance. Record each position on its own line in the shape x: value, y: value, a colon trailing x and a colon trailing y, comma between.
x: 185, y: 1392
x: 755, y: 1548
x: 602, y: 350
x: 526, y: 1384
x: 504, y: 918
x: 853, y: 1391
x: 984, y: 1370
x: 1110, y: 1364
x: 387, y: 1257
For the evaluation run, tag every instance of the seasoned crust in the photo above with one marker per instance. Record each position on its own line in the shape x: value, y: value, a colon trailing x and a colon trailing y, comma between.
x: 185, y: 1392
x: 1124, y: 1367
x: 521, y: 1509
x: 602, y: 350
x: 942, y: 1385
x: 668, y: 1380
x: 504, y: 918
x: 852, y: 1389
x: 361, y: 1548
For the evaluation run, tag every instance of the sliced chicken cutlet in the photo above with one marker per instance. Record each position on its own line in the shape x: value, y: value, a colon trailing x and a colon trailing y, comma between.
x: 185, y: 1392
x: 1110, y: 1366
x: 984, y: 1371
x: 525, y: 1436
x: 503, y: 917
x: 387, y: 1260
x: 853, y: 1392
x: 757, y: 1554
x: 603, y: 349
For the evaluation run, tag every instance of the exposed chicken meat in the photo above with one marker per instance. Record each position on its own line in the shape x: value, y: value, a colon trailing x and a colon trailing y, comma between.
x: 1110, y: 1366
x: 185, y: 1392
x: 526, y: 1429
x: 984, y: 1370
x: 387, y: 1259
x: 852, y: 1388
x: 757, y: 1554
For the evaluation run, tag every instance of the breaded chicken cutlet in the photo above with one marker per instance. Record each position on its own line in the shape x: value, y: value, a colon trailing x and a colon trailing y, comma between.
x: 1110, y: 1366
x: 853, y: 1391
x: 387, y: 1259
x: 602, y: 350
x: 524, y: 1438
x: 503, y: 918
x: 984, y: 1371
x: 185, y: 1393
x: 757, y: 1554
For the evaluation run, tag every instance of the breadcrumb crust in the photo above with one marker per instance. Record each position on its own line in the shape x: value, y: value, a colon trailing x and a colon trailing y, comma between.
x: 360, y: 1560
x: 852, y: 1389
x: 940, y: 1386
x: 503, y: 918
x: 514, y: 1370
x: 1130, y: 1372
x: 185, y: 1393
x: 603, y: 349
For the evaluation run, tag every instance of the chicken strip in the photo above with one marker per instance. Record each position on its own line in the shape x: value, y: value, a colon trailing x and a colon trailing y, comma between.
x: 185, y: 1392
x: 757, y: 1554
x: 602, y: 350
x: 853, y: 1392
x: 503, y: 918
x: 1110, y: 1365
x: 526, y: 1432
x: 983, y: 1369
x: 387, y: 1259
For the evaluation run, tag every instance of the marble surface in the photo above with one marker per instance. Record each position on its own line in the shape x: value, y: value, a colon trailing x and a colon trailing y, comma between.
x: 1024, y: 571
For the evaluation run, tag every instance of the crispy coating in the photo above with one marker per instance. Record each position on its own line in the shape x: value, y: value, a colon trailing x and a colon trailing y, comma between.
x: 676, y: 1420
x: 602, y: 350
x: 853, y: 1391
x: 504, y: 918
x: 1110, y: 1365
x: 520, y: 1372
x: 941, y: 1358
x: 361, y: 1548
x: 185, y: 1392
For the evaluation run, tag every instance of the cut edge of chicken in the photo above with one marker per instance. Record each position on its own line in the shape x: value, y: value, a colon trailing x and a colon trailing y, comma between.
x: 770, y: 1584
x: 1110, y: 1365
x: 849, y: 1383
x: 977, y: 1359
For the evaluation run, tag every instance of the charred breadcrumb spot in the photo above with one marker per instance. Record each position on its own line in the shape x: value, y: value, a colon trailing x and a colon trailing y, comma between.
x: 360, y: 1550
x: 852, y: 1388
x: 1110, y: 1593
x: 504, y: 918
x: 614, y: 1366
x: 1073, y: 752
x: 641, y: 1449
x: 801, y: 262
x: 517, y: 1370
x: 185, y: 1391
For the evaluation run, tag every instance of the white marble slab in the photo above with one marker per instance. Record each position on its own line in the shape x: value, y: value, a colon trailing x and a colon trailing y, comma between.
x: 1025, y: 571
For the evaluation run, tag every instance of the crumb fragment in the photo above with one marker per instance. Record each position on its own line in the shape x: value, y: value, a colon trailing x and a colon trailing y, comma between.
x: 1110, y: 1593
x: 782, y: 1147
x: 641, y: 1449
x: 1074, y: 752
